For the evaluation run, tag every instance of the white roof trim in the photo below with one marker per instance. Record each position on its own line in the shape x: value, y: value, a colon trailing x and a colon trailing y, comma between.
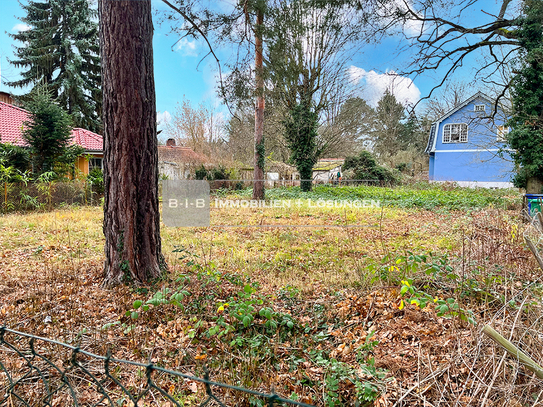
x: 481, y: 150
x: 464, y: 104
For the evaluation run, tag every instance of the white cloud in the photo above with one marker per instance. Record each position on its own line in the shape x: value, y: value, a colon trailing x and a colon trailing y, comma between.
x: 187, y: 47
x: 163, y: 117
x: 372, y: 86
x: 413, y: 28
x: 20, y: 27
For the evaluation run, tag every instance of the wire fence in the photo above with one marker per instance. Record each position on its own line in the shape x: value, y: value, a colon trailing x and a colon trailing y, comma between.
x: 288, y: 183
x: 36, y: 371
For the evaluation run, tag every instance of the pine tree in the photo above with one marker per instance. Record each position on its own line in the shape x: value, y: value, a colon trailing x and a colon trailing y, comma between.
x: 131, y: 210
x: 61, y: 50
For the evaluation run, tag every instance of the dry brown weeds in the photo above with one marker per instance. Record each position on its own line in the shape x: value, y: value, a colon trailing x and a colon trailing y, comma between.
x: 430, y: 360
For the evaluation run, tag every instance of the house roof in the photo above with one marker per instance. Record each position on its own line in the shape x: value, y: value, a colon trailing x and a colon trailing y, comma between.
x: 11, y: 124
x: 12, y: 120
x: 327, y: 164
x: 87, y: 139
x: 433, y: 131
x: 180, y: 154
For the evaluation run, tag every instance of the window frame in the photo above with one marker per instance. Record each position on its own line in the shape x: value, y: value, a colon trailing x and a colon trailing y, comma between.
x: 501, y: 133
x: 477, y: 108
x: 450, y: 135
x: 101, y: 166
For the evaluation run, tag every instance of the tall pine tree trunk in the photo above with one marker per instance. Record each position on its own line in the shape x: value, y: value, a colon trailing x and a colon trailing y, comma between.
x: 258, y: 186
x: 131, y: 212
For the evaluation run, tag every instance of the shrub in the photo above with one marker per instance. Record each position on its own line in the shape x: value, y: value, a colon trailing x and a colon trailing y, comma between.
x: 365, y: 167
x: 96, y: 179
x: 201, y: 172
x: 14, y: 156
x: 219, y: 173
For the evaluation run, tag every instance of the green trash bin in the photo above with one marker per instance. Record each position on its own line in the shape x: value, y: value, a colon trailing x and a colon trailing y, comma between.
x: 535, y: 203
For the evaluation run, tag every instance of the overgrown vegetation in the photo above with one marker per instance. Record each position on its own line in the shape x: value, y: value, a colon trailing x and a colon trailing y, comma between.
x: 326, y: 316
x: 364, y: 167
x: 21, y: 193
x: 422, y: 195
x: 301, y: 136
x: 526, y: 136
x: 96, y: 180
x: 319, y: 314
x: 15, y: 157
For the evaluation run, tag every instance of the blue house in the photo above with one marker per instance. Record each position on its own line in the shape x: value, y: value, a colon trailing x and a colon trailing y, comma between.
x: 464, y: 144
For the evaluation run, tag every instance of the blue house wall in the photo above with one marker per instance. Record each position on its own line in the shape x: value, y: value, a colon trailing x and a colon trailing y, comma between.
x: 476, y: 160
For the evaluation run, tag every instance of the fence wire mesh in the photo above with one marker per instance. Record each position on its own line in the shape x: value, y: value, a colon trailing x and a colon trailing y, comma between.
x: 36, y: 371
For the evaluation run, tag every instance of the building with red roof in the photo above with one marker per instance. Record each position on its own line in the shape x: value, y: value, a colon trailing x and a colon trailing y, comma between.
x: 178, y: 162
x: 12, y: 119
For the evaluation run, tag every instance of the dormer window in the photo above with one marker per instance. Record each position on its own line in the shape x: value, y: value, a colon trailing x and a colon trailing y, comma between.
x: 455, y: 133
x: 480, y: 108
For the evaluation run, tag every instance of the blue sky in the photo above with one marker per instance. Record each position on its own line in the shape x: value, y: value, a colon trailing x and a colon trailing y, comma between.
x: 176, y: 73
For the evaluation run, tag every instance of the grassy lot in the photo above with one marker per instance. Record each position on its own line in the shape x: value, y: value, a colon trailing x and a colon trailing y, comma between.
x: 328, y: 316
x: 422, y: 195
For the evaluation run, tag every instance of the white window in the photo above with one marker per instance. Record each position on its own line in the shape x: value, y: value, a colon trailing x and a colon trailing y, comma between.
x: 95, y: 163
x: 455, y: 133
x: 502, y: 132
x: 480, y: 108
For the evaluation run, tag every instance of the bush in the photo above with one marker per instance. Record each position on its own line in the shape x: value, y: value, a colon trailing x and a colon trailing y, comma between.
x: 96, y: 179
x: 220, y: 175
x: 365, y: 167
x: 201, y: 172
x: 14, y: 156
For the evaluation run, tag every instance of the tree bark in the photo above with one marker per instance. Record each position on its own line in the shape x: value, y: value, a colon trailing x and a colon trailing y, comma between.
x: 131, y: 211
x: 258, y: 185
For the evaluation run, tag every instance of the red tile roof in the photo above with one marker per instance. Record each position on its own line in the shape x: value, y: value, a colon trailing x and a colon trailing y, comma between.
x: 181, y: 155
x: 87, y: 139
x: 11, y: 126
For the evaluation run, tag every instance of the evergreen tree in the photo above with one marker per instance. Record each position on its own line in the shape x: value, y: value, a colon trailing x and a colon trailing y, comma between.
x: 526, y: 136
x: 61, y: 50
x: 389, y: 126
x: 48, y: 133
x: 414, y: 134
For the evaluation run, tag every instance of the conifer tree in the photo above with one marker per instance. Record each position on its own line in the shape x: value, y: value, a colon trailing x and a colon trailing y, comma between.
x: 48, y: 133
x: 60, y: 49
x: 390, y: 115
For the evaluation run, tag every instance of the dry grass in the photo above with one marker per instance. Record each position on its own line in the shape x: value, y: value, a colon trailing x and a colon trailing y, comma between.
x: 326, y: 280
